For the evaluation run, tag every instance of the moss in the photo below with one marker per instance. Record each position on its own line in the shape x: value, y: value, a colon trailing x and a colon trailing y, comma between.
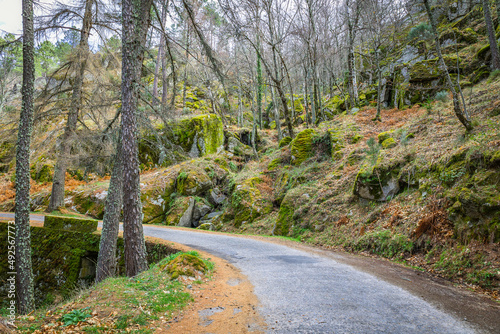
x: 285, y: 219
x: 185, y: 265
x: 177, y: 209
x: 384, y: 136
x: 285, y: 141
x: 199, y: 135
x: 389, y: 143
x: 301, y: 146
x: 192, y: 180
x: 337, y: 143
x: 247, y: 203
x: 70, y: 224
x: 62, y: 260
x: 379, y: 182
x: 274, y: 164
x: 42, y: 172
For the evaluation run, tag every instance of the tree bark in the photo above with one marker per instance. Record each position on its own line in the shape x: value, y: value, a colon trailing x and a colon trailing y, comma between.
x: 462, y: 116
x: 136, y: 19
x: 24, y: 277
x: 57, y: 195
x: 495, y: 56
x: 106, y: 260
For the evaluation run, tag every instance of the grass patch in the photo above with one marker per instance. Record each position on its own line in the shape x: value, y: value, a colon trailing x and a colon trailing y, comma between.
x: 119, y: 304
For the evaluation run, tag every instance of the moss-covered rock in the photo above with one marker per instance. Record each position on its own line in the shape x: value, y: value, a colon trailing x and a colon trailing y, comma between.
x: 199, y: 135
x: 389, y: 143
x: 63, y: 223
x: 384, y: 136
x: 42, y: 171
x: 285, y: 141
x: 301, y: 146
x: 379, y: 182
x: 238, y: 148
x: 288, y: 217
x: 178, y: 208
x: 185, y: 265
x: 193, y: 180
x: 247, y: 203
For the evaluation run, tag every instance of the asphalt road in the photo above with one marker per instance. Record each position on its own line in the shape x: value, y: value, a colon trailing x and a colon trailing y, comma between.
x: 305, y: 292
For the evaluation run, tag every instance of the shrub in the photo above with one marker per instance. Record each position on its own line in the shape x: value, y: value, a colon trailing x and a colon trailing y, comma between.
x: 421, y: 31
x: 442, y: 96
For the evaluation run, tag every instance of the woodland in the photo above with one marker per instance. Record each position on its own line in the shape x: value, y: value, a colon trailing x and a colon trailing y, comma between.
x: 367, y: 126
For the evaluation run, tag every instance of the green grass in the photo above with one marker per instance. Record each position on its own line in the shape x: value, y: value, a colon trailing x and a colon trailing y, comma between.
x: 138, y: 300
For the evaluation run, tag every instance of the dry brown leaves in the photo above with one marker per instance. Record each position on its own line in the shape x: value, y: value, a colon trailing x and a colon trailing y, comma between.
x: 435, y: 222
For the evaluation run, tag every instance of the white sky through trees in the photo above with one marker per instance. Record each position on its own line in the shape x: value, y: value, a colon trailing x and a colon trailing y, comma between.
x: 11, y: 19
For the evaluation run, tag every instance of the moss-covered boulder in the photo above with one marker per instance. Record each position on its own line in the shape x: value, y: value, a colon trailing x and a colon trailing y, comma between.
x: 178, y: 209
x: 63, y: 223
x: 42, y: 171
x: 199, y: 135
x: 186, y: 265
x: 285, y: 141
x: 389, y: 143
x: 384, y: 136
x: 247, y: 202
x: 238, y: 148
x: 89, y: 202
x: 302, y: 146
x: 377, y: 183
x: 193, y: 180
x: 288, y: 217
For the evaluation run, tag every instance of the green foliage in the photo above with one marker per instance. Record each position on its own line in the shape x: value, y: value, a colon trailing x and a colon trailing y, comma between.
x: 442, y: 96
x: 75, y: 316
x: 422, y: 31
x: 373, y: 150
x: 493, y: 76
x: 384, y: 243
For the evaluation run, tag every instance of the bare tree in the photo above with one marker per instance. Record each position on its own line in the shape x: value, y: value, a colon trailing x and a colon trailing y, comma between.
x: 495, y: 55
x: 57, y: 195
x: 462, y: 115
x: 24, y: 278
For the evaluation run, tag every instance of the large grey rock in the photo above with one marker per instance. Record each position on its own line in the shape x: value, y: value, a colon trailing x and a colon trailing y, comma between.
x: 238, y: 148
x: 187, y: 217
x: 200, y: 210
x: 217, y: 197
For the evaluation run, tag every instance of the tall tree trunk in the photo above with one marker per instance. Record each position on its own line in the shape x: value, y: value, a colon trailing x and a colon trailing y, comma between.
x: 379, y: 87
x: 24, y: 277
x: 259, y: 88
x: 462, y: 116
x: 352, y: 22
x: 495, y: 56
x: 276, y: 114
x: 184, y: 88
x: 306, y: 101
x: 57, y: 195
x: 159, y: 58
x: 136, y: 19
x: 106, y: 260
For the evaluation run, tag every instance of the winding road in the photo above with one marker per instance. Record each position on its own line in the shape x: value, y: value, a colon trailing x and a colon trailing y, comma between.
x: 303, y: 290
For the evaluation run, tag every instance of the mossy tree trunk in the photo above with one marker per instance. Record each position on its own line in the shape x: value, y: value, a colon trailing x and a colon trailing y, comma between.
x: 106, y: 260
x: 495, y: 56
x: 462, y: 116
x: 259, y: 86
x: 352, y: 23
x: 57, y: 195
x: 24, y: 278
x: 135, y: 22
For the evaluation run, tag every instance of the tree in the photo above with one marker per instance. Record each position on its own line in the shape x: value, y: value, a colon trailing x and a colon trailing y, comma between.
x: 57, y: 194
x: 495, y: 55
x: 106, y: 260
x: 135, y: 22
x: 462, y: 115
x: 24, y: 278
